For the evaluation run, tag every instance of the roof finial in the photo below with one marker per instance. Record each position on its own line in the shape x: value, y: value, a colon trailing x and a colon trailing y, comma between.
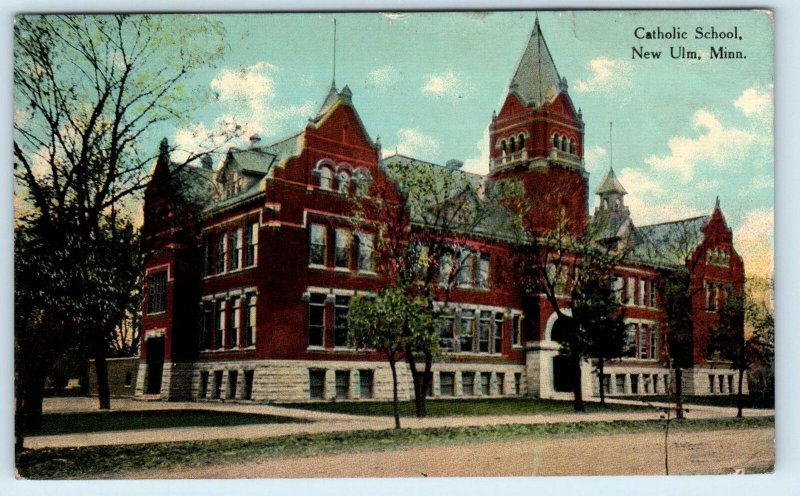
x: 716, y: 205
x: 611, y: 144
x: 334, y: 51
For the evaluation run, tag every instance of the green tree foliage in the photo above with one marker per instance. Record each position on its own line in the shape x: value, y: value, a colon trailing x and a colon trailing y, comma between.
x: 88, y: 89
x: 392, y: 323
x: 680, y: 342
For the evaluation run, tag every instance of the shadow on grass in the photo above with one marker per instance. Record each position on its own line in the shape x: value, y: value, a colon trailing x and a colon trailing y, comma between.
x: 82, y: 422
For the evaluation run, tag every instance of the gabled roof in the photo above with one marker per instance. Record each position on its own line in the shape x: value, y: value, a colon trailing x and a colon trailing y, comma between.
x: 536, y: 79
x: 456, y: 200
x: 334, y: 100
x: 611, y: 184
x: 196, y: 184
x: 668, y: 244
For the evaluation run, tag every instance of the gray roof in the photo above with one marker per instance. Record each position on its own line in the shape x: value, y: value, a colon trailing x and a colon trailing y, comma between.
x: 611, y: 184
x: 536, y: 79
x: 669, y: 244
x: 449, y: 198
x: 197, y: 184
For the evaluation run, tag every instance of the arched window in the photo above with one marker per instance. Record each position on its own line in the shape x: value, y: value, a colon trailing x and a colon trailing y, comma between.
x: 325, y: 178
x: 521, y: 141
x: 363, y: 181
x: 556, y: 141
x: 564, y: 144
x: 503, y: 148
x: 513, y: 145
x: 605, y: 204
x: 344, y: 182
x: 572, y: 147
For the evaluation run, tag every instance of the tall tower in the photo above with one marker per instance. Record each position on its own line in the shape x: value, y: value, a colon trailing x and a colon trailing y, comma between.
x: 537, y: 137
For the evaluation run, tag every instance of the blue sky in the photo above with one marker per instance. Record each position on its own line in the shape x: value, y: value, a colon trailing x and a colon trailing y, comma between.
x: 684, y: 130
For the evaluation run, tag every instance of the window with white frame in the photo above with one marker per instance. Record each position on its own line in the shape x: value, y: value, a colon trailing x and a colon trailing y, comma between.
x: 618, y: 286
x: 653, y: 352
x: 317, y: 246
x: 316, y: 319
x: 250, y: 321
x: 252, y: 244
x: 344, y: 182
x: 236, y: 249
x: 341, y: 259
x: 221, y: 252
x: 445, y: 268
x: 235, y: 316
x: 483, y: 270
x: 641, y: 294
x: 157, y: 292
x: 643, y: 341
x: 498, y: 332
x: 341, y: 324
x: 465, y: 268
x: 446, y: 323
x: 208, y: 325
x: 630, y: 341
x: 465, y: 329
x: 365, y: 257
x: 516, y: 332
x: 219, y: 330
x: 325, y: 178
x: 484, y: 331
x: 653, y: 294
x: 629, y: 300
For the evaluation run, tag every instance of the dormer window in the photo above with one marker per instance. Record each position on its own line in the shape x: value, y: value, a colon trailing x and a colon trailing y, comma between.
x: 325, y: 178
x: 344, y: 182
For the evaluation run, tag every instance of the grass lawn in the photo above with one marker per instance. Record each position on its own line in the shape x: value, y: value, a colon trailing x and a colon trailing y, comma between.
x: 444, y: 408
x: 59, y: 463
x: 729, y: 401
x: 71, y: 423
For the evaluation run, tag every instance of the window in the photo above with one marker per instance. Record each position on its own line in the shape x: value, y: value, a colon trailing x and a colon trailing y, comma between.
x: 208, y: 325
x: 653, y: 342
x: 217, y: 384
x: 344, y: 182
x: 342, y: 378
x: 641, y: 294
x: 446, y: 384
x: 710, y: 383
x: 517, y: 383
x: 618, y: 284
x: 620, y: 383
x: 501, y: 380
x: 513, y: 144
x: 486, y: 378
x: 365, y: 259
x: 366, y: 378
x: 341, y: 325
x: 634, y: 383
x: 316, y: 319
x: 236, y: 249
x: 341, y: 257
x: 316, y: 384
x: 247, y: 394
x: 465, y: 330
x: 207, y: 261
x: 250, y: 321
x: 730, y: 383
x: 498, y: 333
x: 503, y: 148
x: 483, y: 271
x: 468, y: 383
x: 219, y: 330
x: 325, y: 178
x: 128, y: 378
x: 157, y: 292
x: 362, y: 180
x: 516, y: 332
x: 629, y: 300
x: 220, y: 252
x: 630, y: 341
x: 235, y: 316
x: 445, y: 269
x: 465, y: 268
x: 643, y: 341
x: 233, y: 378
x: 521, y: 141
x: 484, y: 327
x: 653, y: 295
x: 203, y: 393
x: 722, y: 384
x: 446, y: 333
x: 317, y: 245
x: 252, y: 244
x: 556, y: 142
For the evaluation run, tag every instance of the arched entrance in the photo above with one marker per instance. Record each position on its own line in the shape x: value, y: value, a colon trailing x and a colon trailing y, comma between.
x: 562, y: 365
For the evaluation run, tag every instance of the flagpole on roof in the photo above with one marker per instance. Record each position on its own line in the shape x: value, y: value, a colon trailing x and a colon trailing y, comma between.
x: 334, y: 51
x: 611, y: 144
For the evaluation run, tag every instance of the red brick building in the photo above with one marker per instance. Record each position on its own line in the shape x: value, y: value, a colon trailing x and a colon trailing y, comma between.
x: 250, y: 268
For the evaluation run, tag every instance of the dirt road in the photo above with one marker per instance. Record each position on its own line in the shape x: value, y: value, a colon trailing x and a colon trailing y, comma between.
x: 712, y: 452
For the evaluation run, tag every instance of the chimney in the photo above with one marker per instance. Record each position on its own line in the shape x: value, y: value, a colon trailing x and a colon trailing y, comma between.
x: 207, y: 161
x: 255, y: 139
x: 454, y: 164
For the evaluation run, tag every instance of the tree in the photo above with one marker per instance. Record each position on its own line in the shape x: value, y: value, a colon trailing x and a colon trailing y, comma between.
x: 88, y: 91
x: 760, y: 322
x: 423, y: 215
x: 729, y: 341
x: 391, y: 323
x: 680, y: 339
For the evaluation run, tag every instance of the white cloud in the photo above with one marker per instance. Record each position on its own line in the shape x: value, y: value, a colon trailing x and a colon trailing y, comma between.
x: 382, y: 77
x: 754, y: 240
x: 647, y: 210
x: 442, y: 84
x: 707, y: 184
x: 755, y: 101
x: 479, y: 164
x: 248, y: 97
x: 606, y: 75
x: 414, y: 143
x: 715, y: 144
x: 593, y: 155
x: 637, y: 182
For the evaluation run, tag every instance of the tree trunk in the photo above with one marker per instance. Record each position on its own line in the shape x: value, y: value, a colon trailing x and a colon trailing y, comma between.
x: 678, y: 393
x: 32, y: 399
x: 600, y: 368
x: 576, y: 385
x: 395, y: 406
x: 740, y: 398
x: 101, y: 372
x: 420, y: 383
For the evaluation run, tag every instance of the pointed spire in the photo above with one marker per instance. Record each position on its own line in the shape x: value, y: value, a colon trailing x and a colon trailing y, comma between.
x: 163, y: 148
x: 536, y: 77
x: 611, y: 185
x: 716, y: 205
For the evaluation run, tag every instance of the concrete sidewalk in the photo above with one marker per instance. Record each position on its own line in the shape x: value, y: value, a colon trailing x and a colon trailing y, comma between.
x: 319, y: 421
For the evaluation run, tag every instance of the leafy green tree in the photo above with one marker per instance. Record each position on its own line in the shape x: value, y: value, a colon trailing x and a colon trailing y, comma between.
x: 680, y: 339
x: 88, y: 89
x: 391, y: 323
